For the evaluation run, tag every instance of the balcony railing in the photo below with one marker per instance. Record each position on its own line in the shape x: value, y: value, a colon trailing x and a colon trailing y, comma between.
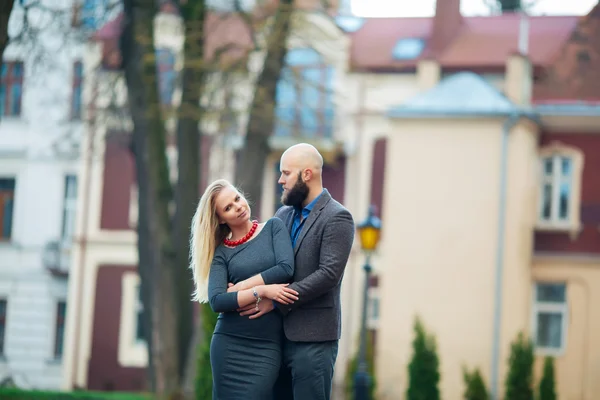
x: 56, y: 257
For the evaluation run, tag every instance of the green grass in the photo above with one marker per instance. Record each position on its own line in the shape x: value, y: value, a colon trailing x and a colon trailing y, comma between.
x: 19, y: 394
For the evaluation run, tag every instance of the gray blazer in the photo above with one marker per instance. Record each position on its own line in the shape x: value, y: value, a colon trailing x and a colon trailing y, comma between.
x: 321, y: 253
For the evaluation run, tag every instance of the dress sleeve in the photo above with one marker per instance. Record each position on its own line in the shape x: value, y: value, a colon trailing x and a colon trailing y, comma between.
x: 283, y: 270
x: 219, y: 299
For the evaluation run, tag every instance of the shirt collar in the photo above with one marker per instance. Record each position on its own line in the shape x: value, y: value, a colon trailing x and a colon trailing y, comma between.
x: 308, y: 208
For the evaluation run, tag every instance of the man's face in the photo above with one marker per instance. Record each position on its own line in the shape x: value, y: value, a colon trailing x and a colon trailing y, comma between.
x: 295, y: 190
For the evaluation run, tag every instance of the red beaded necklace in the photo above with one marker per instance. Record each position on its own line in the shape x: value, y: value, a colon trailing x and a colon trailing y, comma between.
x: 233, y: 243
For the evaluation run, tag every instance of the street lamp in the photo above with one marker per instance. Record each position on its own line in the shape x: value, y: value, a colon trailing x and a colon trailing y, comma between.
x: 368, y: 233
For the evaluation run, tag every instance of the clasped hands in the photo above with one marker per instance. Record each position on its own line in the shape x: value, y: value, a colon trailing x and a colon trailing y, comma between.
x: 279, y: 292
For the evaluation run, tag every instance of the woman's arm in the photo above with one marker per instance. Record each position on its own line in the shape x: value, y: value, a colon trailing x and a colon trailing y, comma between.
x: 283, y: 270
x: 222, y: 301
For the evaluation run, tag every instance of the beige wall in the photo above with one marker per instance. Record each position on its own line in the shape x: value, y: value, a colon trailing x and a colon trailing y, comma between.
x: 438, y: 248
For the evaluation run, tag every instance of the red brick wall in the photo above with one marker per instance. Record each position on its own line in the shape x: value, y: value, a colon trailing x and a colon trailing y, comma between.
x: 377, y: 175
x: 588, y: 241
x: 334, y: 178
x: 104, y: 372
x: 119, y: 175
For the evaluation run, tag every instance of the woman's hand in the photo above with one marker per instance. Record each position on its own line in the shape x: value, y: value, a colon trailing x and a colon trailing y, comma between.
x: 237, y: 287
x: 278, y: 292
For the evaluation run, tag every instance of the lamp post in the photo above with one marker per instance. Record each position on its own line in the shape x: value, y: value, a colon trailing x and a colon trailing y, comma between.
x: 368, y: 233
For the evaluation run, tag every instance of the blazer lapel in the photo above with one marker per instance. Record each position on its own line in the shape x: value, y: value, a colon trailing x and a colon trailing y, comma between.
x: 312, y: 217
x: 290, y: 219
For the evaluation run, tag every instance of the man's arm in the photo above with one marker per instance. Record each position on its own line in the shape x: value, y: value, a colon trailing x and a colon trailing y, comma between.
x: 335, y: 251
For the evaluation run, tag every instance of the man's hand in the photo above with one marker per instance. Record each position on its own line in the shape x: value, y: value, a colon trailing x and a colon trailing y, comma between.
x: 264, y: 306
x: 237, y: 287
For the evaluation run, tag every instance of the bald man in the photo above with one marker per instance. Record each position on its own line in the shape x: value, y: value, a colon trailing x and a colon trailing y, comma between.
x: 322, y: 232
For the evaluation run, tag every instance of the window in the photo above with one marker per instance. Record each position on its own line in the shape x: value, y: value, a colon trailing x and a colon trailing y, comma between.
x: 139, y: 315
x: 165, y: 63
x: 7, y: 195
x: 11, y: 88
x: 408, y: 48
x: 550, y: 317
x: 59, y: 332
x: 133, y: 205
x: 133, y: 350
x: 560, y: 188
x: 90, y: 13
x: 557, y: 186
x: 3, y: 307
x: 304, y: 96
x: 77, y: 90
x: 69, y: 208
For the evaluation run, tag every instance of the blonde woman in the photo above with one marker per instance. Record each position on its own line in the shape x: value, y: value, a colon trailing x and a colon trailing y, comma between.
x: 258, y: 259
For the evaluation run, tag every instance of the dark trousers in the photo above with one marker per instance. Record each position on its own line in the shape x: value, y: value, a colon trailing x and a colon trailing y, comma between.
x: 307, y: 370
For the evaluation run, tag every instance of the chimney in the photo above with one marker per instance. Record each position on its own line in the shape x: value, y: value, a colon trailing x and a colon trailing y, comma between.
x: 446, y: 25
x: 345, y: 7
x: 518, y: 80
x: 428, y: 73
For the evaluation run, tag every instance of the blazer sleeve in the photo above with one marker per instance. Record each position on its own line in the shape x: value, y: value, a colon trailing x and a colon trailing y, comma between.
x: 338, y: 237
x: 283, y: 270
x: 218, y: 298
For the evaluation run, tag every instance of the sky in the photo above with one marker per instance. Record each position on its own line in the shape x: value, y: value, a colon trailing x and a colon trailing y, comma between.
x: 425, y: 8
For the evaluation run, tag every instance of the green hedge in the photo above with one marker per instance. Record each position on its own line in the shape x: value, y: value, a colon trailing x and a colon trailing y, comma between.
x: 19, y: 394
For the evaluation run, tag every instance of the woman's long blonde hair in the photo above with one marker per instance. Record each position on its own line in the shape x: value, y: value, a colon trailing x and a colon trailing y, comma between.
x: 206, y: 235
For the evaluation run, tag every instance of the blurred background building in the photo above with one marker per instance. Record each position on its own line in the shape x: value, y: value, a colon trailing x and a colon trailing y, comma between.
x: 40, y: 130
x: 476, y: 138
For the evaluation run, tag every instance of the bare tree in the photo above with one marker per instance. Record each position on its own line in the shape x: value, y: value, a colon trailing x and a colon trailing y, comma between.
x: 250, y: 168
x: 188, y: 166
x: 6, y: 8
x: 156, y: 251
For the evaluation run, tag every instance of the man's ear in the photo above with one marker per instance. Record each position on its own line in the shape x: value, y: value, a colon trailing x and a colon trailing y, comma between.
x: 308, y: 175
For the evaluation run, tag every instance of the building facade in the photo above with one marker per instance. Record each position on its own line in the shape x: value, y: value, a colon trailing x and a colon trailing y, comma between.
x: 40, y: 131
x: 416, y: 126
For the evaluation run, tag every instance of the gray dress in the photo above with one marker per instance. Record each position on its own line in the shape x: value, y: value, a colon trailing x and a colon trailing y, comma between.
x: 246, y: 353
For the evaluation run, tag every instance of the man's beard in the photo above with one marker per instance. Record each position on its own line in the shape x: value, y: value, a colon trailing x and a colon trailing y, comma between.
x: 297, y: 194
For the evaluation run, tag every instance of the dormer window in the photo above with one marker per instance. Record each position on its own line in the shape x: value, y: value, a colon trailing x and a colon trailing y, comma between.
x: 408, y: 48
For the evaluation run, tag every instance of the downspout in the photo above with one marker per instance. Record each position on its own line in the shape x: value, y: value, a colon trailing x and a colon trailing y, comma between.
x: 506, y: 128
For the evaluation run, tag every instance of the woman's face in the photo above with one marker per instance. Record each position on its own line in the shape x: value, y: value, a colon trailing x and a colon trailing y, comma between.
x: 231, y: 207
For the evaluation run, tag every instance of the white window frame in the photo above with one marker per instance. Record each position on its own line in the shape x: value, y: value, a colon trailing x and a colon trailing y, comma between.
x: 132, y: 352
x: 572, y: 223
x: 69, y: 209
x: 139, y: 308
x: 133, y: 206
x: 59, y: 357
x: 545, y: 307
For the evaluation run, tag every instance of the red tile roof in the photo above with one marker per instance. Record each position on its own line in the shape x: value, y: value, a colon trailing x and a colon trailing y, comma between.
x: 478, y: 43
x: 227, y: 36
x: 481, y: 42
x: 575, y: 71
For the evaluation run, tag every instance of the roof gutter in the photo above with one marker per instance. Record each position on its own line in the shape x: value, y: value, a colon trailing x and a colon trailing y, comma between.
x: 568, y: 110
x: 463, y: 114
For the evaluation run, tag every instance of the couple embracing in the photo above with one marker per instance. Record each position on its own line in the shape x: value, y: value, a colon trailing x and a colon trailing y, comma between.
x: 275, y: 284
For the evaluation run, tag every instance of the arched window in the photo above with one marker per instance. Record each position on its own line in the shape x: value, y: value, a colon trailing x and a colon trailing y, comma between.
x: 304, y: 96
